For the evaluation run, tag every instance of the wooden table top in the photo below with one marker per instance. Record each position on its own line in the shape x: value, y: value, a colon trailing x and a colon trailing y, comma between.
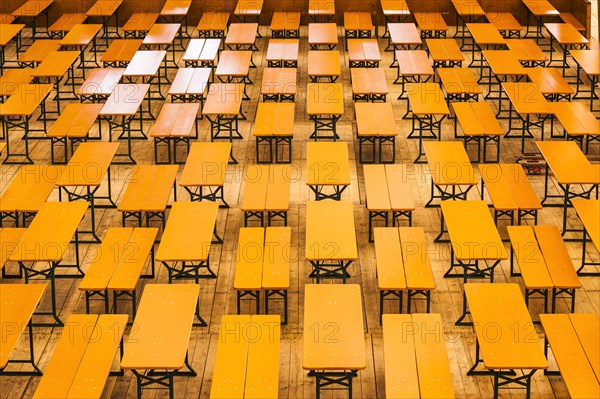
x: 526, y: 50
x: 430, y: 21
x: 589, y: 213
x: 504, y: 63
x: 216, y: 21
x: 165, y: 317
x: 550, y: 80
x: 267, y: 188
x: 189, y: 232
x: 66, y: 22
x: 467, y: 8
x: 279, y: 81
x: 541, y: 8
x: 387, y: 188
x: 339, y: 305
x: 324, y: 63
x: 444, y: 50
x: 576, y: 118
x: 565, y: 33
x: 285, y: 20
x: 568, y: 163
x: 502, y: 306
x: 322, y: 33
x: 176, y: 7
x: 327, y: 164
x: 206, y: 165
x: 145, y: 63
x: 32, y: 8
x: 38, y: 51
x: 526, y: 98
x: 140, y: 21
x: 375, y: 119
x: 503, y: 21
x: 12, y: 79
x: 30, y: 188
x: 472, y: 231
x: 394, y: 7
x: 369, y: 81
x: 101, y: 81
x: 75, y: 120
x: 234, y: 63
x: 321, y: 7
x: 125, y: 99
x: 283, y: 49
x: 358, y: 21
x: 477, y: 118
x: 459, y: 81
x: 190, y: 81
x: 325, y: 99
x: 248, y: 7
x: 427, y: 99
x: 485, y: 34
x: 8, y: 32
x: 17, y: 305
x: 363, y: 50
x: 25, y: 100
x: 88, y: 165
x: 414, y: 62
x: 56, y: 64
x: 149, y: 188
x: 161, y: 34
x: 508, y: 186
x: 274, y: 118
x: 81, y: 35
x: 224, y: 99
x: 175, y: 120
x: 449, y: 163
x: 104, y: 8
x: 404, y: 33
x: 121, y: 50
x: 202, y: 50
x: 9, y: 239
x: 50, y: 233
x: 241, y: 33
x: 589, y: 60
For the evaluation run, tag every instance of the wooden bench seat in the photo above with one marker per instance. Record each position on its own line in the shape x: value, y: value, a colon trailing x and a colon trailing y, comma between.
x: 413, y: 66
x: 369, y: 84
x: 274, y: 127
x: 190, y: 85
x: 120, y: 52
x: 202, y: 53
x: 460, y: 84
x: 363, y: 53
x: 415, y: 357
x: 139, y: 23
x: 64, y: 23
x: 285, y: 24
x: 544, y: 264
x: 357, y: 25
x: 27, y: 192
x: 324, y: 65
x: 282, y: 53
x: 177, y: 123
x: 388, y: 195
x: 402, y: 265
x: 445, y: 53
x: 99, y: 84
x: 279, y: 84
x: 376, y: 126
x: 506, y: 23
x: 38, y: 50
x: 247, y: 367
x: 79, y: 365
x: 322, y: 36
x: 118, y: 266
x: 11, y: 82
x: 527, y: 52
x: 263, y: 264
x: 205, y: 169
x: 578, y: 122
x: 148, y: 193
x: 431, y: 24
x: 213, y: 24
x: 574, y: 339
x: 72, y: 126
x: 266, y: 194
x: 510, y: 191
x: 479, y: 124
x: 569, y: 18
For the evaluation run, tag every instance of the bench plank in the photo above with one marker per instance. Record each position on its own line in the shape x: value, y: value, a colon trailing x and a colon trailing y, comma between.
x: 530, y: 258
x: 417, y: 267
x: 587, y: 327
x: 399, y: 188
x: 255, y: 191
x: 278, y: 190
x: 135, y: 254
x: 376, y: 188
x: 249, y: 261
x: 262, y: 372
x: 497, y: 187
x: 276, y: 258
x: 388, y: 252
x: 401, y: 378
x: 559, y: 264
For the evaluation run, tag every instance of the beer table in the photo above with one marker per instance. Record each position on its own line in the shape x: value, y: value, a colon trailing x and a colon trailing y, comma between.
x: 322, y: 36
x: 467, y: 11
x: 579, y: 123
x: 248, y: 9
x: 431, y: 24
x: 445, y: 53
x: 279, y: 84
x: 138, y: 25
x: 403, y: 36
x: 393, y: 11
x: 177, y: 123
x: 6, y: 19
x: 501, y: 65
x: 527, y: 52
x: 213, y: 25
x: 274, y: 125
x: 30, y: 11
x: 99, y: 84
x: 516, y: 346
x: 589, y: 214
x: 333, y: 362
x: 330, y: 239
x: 551, y: 83
x: 83, y: 177
x: 147, y: 66
x: 363, y: 53
x: 285, y: 25
x: 506, y: 23
x: 450, y: 170
x: 16, y: 113
x: 324, y: 64
x: 571, y: 168
x: 36, y: 52
x: 282, y: 53
x: 369, y: 84
x: 484, y: 37
x: 321, y: 8
x: 234, y: 67
x: 242, y: 37
x: 202, y: 53
x: 357, y: 25
x: 9, y: 32
x: 120, y: 52
x: 17, y: 306
x: 223, y: 109
x: 121, y: 107
x: 589, y: 62
x: 177, y: 11
x: 206, y: 169
x: 159, y: 352
x: 65, y: 23
x: 325, y: 106
x: 539, y: 10
x: 72, y: 126
x: 376, y: 126
x: 568, y: 38
x: 9, y: 238
x: 526, y: 100
x: 184, y: 248
x: 53, y: 69
x: 479, y: 124
x: 460, y: 84
x: 105, y: 10
x: 327, y: 166
x: 46, y: 241
x: 79, y: 38
x: 162, y: 37
x: 190, y: 85
x: 11, y: 81
x: 429, y: 109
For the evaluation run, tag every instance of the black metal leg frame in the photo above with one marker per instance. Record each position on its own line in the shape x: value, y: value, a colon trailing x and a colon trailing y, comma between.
x: 580, y: 93
x: 35, y: 372
x: 420, y: 125
x: 375, y: 142
x: 209, y: 193
x: 450, y: 192
x: 318, y: 190
x: 398, y: 295
x: 384, y: 216
x: 527, y: 123
x: 584, y: 262
x: 326, y: 378
x: 274, y: 144
x: 334, y: 269
x: 324, y: 123
x: 161, y: 379
x: 223, y: 127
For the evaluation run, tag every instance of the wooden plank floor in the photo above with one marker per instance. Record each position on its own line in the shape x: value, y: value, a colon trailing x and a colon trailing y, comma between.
x: 218, y: 296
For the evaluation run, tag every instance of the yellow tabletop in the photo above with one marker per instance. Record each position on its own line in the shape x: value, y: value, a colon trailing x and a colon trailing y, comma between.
x: 279, y: 81
x: 121, y: 51
x: 404, y: 34
x: 430, y: 21
x: 50, y: 232
x: 161, y: 34
x: 75, y: 120
x: 175, y: 120
x: 387, y: 188
x: 234, y: 63
x: 104, y: 8
x: 485, y: 34
x: 189, y: 232
x: 589, y: 60
x: 323, y: 63
x: 375, y: 119
x: 190, y: 81
x: 8, y: 32
x: 274, y: 119
x: 322, y: 33
x: 444, y: 50
x: 285, y: 21
x: 321, y: 7
x: 472, y: 231
x: 330, y: 232
x: 394, y: 7
x: 358, y: 21
x: 216, y: 21
x: 164, y: 320
x: 328, y: 164
x: 565, y: 33
x: 101, y: 82
x: 149, y: 188
x: 589, y: 213
x: 467, y: 7
x: 38, y: 51
x: 30, y: 188
x: 540, y: 8
x: 459, y: 81
x: 202, y: 50
x: 125, y: 99
x: 568, y: 163
x: 325, y: 99
x: 145, y: 63
x: 249, y: 259
x: 339, y: 307
x: 88, y: 165
x: 224, y: 99
x: 513, y: 182
x: 32, y: 8
x: 81, y: 35
x: 576, y: 118
x: 427, y: 99
x: 12, y: 79
x: 526, y: 98
x: 550, y: 80
x: 502, y: 305
x: 241, y: 34
x: 140, y: 21
x: 282, y: 49
x: 449, y: 163
x: 206, y: 165
x: 267, y: 188
x: 9, y: 239
x: 25, y: 100
x: 17, y: 304
x: 503, y: 21
x: 66, y: 22
x: 248, y: 7
x: 363, y: 50
x: 56, y: 64
x: 526, y: 50
x: 414, y: 62
x: 176, y: 7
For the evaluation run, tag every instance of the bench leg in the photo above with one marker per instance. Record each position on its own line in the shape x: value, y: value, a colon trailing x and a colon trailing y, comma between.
x: 284, y: 295
x: 255, y: 296
x: 383, y: 294
x: 36, y: 371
